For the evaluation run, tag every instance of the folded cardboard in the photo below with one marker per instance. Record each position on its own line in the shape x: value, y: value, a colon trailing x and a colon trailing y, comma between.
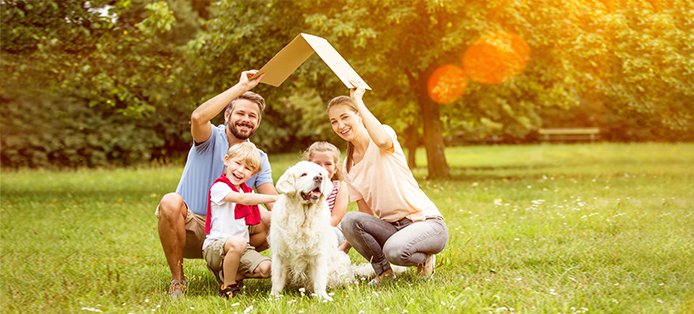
x: 287, y: 60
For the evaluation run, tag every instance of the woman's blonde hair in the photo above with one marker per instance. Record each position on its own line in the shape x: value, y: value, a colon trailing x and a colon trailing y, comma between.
x: 322, y: 147
x: 248, y: 153
x: 345, y: 100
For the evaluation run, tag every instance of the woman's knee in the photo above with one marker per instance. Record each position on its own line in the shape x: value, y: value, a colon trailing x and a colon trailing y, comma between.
x: 396, y: 253
x: 349, y: 222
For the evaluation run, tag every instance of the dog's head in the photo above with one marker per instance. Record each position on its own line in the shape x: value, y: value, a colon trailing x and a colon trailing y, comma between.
x: 306, y: 180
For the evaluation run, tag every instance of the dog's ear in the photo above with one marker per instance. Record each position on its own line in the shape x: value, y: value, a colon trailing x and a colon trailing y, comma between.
x: 326, y: 185
x: 285, y: 185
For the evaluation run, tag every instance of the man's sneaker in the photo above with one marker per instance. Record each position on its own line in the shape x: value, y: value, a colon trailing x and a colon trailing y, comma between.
x: 427, y: 269
x: 177, y: 288
x: 230, y: 291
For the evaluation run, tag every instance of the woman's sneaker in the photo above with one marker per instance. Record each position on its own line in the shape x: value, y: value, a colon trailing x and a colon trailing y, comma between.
x: 177, y: 288
x: 427, y: 269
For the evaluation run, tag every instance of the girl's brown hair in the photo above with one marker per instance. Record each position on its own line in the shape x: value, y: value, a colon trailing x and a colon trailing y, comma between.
x: 345, y: 100
x: 320, y: 147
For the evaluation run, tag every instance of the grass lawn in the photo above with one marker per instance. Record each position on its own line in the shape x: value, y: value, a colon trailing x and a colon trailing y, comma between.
x: 599, y: 228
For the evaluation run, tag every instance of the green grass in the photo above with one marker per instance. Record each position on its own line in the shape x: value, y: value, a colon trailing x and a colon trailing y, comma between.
x: 602, y: 228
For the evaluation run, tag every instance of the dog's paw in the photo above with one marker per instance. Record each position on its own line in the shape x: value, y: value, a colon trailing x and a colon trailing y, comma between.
x: 324, y: 297
x: 275, y: 295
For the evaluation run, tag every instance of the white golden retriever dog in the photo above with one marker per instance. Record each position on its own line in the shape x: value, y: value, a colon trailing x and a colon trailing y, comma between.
x: 304, y: 248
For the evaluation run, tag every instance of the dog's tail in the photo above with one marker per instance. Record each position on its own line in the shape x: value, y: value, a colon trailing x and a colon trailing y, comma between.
x: 366, y: 271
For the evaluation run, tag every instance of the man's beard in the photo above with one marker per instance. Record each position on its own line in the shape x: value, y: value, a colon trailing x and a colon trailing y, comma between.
x: 238, y: 134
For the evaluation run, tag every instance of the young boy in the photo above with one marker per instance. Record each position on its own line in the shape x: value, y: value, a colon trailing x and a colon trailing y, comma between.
x: 232, y: 206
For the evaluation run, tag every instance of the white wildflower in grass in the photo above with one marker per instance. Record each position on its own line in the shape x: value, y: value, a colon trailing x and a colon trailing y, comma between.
x: 235, y: 304
x: 519, y: 279
x: 146, y: 300
x: 498, y: 202
x: 91, y: 309
x: 552, y: 291
x: 248, y: 309
x: 659, y: 301
x: 537, y: 202
x: 302, y: 291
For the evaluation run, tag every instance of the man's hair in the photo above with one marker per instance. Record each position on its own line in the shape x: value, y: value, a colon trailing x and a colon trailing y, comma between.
x: 250, y: 96
x: 248, y: 153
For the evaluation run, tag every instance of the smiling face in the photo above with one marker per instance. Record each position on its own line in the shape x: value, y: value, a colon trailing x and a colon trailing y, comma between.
x: 345, y: 121
x: 326, y: 160
x: 237, y: 170
x: 243, y: 119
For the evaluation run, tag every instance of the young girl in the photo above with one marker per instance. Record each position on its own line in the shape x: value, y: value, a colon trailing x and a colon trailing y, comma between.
x: 327, y: 156
x: 396, y: 221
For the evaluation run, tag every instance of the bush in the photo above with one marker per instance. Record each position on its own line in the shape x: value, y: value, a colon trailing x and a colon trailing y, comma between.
x: 52, y: 133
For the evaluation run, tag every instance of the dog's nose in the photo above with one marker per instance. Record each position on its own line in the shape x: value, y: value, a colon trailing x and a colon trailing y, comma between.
x: 318, y: 179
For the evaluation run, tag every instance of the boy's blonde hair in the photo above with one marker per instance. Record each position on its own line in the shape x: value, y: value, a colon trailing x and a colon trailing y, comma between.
x: 326, y: 147
x: 248, y: 153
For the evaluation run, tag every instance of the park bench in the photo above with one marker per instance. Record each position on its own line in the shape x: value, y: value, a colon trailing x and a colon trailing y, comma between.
x: 569, y: 134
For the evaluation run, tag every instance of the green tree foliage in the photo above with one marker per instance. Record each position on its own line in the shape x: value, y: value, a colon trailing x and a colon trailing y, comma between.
x: 624, y: 66
x: 120, y: 58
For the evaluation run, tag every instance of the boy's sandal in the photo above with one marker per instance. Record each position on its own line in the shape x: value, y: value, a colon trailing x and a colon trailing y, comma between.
x: 230, y: 291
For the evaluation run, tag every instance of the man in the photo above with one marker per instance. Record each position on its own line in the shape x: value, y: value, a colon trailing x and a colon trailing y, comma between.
x: 181, y: 214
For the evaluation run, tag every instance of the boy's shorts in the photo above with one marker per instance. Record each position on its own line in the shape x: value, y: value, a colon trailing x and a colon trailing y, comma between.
x: 214, y: 256
x: 195, y: 233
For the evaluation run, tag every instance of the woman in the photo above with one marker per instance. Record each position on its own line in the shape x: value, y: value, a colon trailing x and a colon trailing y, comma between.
x: 407, y: 228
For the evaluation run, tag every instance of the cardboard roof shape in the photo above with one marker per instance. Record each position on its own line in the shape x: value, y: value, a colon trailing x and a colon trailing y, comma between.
x: 285, y: 62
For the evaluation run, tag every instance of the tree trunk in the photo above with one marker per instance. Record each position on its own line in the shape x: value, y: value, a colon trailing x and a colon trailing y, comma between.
x: 411, y: 143
x: 433, y: 137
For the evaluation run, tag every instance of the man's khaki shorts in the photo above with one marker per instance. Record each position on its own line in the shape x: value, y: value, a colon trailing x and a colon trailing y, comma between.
x: 214, y: 256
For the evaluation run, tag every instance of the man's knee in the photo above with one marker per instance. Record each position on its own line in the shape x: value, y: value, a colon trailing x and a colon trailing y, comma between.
x: 172, y: 207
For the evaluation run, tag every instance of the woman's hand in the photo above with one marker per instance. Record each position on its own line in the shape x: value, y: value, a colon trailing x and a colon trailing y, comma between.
x: 358, y: 91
